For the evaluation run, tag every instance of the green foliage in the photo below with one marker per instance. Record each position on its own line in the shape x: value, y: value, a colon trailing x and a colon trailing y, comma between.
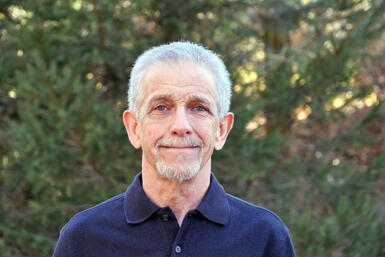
x: 308, y: 140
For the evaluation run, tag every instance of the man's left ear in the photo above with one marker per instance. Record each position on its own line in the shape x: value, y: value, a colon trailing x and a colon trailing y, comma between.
x: 224, y: 128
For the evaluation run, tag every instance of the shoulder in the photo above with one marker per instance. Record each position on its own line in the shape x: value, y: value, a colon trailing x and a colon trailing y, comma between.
x: 87, y: 225
x: 106, y: 210
x: 262, y: 225
x: 241, y: 209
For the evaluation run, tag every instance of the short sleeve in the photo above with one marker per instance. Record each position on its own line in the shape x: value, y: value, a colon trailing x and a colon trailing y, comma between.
x: 67, y: 243
x: 286, y: 249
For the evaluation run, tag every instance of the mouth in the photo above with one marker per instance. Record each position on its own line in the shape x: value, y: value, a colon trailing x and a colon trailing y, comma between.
x: 179, y: 147
x: 179, y: 150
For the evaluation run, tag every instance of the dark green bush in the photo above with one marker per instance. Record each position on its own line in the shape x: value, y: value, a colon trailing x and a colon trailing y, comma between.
x: 309, y: 134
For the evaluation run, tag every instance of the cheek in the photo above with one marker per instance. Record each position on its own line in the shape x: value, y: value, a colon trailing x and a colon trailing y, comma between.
x: 207, y: 132
x: 152, y: 132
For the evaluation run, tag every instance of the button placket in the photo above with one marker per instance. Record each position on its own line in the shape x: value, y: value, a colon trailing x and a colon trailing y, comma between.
x: 180, y: 248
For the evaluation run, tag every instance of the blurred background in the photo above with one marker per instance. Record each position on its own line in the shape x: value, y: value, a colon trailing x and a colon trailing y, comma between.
x: 309, y: 89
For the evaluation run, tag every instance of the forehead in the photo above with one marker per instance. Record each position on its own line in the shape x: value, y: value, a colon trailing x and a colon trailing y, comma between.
x: 182, y: 79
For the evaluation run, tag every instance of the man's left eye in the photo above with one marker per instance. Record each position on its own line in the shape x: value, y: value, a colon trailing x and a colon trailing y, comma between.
x: 199, y: 108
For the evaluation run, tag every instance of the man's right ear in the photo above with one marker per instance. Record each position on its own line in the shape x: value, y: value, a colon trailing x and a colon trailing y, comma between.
x: 131, y: 123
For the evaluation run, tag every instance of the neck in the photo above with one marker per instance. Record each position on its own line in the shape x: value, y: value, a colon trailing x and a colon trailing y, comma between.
x: 181, y: 197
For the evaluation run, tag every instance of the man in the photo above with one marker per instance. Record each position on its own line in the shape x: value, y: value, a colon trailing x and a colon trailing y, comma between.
x: 179, y: 99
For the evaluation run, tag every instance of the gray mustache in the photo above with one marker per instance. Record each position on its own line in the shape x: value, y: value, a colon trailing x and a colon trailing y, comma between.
x: 176, y: 141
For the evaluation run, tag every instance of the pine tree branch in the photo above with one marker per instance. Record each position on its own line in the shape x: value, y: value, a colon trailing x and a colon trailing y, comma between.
x: 99, y: 26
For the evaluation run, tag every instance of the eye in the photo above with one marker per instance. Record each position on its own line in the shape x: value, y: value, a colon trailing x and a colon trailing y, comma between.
x: 200, y: 108
x: 161, y: 108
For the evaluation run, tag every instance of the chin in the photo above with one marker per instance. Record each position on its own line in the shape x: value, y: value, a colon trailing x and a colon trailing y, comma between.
x: 179, y: 173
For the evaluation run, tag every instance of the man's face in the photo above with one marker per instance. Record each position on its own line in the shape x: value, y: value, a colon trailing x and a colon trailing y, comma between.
x: 178, y: 124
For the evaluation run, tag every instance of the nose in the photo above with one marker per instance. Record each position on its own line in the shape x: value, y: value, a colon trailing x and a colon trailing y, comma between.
x: 180, y: 126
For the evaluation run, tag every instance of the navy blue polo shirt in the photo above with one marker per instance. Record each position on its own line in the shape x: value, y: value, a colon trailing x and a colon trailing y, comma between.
x: 130, y: 224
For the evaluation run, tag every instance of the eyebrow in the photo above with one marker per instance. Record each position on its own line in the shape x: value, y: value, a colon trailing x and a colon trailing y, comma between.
x: 159, y: 97
x: 201, y: 99
x: 169, y: 96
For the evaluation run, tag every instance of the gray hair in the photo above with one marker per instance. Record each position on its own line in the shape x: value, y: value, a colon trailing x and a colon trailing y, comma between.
x: 174, y: 53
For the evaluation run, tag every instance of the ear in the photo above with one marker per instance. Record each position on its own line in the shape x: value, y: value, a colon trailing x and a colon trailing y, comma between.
x: 224, y: 128
x: 131, y: 123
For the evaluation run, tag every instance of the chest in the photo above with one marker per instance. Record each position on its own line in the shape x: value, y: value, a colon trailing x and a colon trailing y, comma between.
x: 161, y: 236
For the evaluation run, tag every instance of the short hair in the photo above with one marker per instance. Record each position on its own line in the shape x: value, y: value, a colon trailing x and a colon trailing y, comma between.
x: 174, y: 53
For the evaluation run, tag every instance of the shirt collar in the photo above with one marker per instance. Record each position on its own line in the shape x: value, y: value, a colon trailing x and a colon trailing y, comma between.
x: 214, y: 205
x: 138, y: 207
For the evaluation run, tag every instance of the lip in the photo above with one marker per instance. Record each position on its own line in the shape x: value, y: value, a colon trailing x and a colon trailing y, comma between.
x: 179, y: 148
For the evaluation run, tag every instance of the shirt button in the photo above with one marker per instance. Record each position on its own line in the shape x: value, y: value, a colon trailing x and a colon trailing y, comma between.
x: 165, y: 217
x: 178, y: 249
